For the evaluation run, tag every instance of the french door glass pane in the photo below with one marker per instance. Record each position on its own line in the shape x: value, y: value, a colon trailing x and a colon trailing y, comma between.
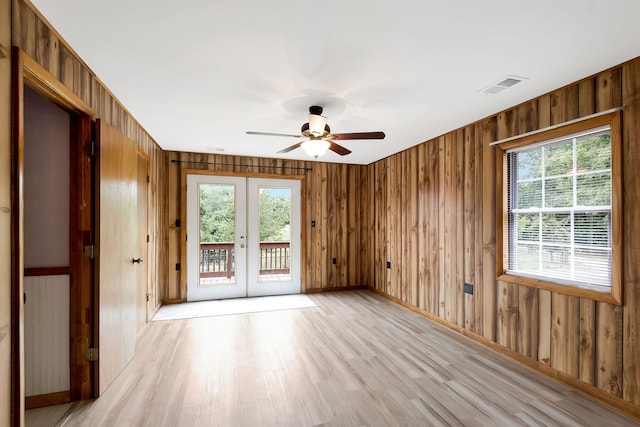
x: 274, y: 205
x: 217, y: 234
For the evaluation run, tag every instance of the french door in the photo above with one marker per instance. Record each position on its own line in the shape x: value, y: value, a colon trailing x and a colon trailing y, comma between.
x: 243, y: 237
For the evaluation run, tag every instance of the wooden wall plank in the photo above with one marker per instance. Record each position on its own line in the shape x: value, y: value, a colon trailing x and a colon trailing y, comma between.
x: 609, y: 349
x: 341, y: 248
x: 448, y: 296
x: 469, y: 221
x: 528, y: 323
x: 489, y: 283
x: 413, y: 208
x: 631, y: 227
x: 332, y: 222
x: 458, y: 217
x: 544, y: 327
x: 24, y: 34
x: 565, y: 333
x: 587, y: 341
x: 353, y: 231
x: 608, y: 89
x: 432, y: 223
x: 479, y: 191
x: 404, y: 256
x: 423, y: 244
x: 441, y: 228
x: 47, y: 49
x: 323, y: 267
x: 317, y: 251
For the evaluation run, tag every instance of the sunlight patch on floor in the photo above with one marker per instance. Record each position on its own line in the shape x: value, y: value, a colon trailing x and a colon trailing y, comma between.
x: 232, y: 306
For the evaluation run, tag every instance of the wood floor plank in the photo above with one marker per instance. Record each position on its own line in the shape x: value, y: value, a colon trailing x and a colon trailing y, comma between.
x: 355, y: 359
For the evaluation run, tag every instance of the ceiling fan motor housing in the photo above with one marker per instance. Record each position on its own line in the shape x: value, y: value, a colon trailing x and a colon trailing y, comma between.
x: 305, y: 130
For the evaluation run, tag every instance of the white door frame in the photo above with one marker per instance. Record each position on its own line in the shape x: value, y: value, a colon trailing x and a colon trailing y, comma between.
x: 247, y: 242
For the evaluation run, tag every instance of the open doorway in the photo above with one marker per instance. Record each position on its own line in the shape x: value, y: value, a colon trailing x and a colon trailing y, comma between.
x: 47, y: 274
x: 52, y: 228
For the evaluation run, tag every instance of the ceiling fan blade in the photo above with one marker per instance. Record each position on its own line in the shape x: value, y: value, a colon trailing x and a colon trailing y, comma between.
x: 293, y: 147
x: 339, y: 149
x: 274, y: 134
x: 358, y: 135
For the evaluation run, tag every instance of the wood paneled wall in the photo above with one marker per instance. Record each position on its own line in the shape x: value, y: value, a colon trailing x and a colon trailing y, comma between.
x: 434, y: 221
x: 333, y: 197
x: 35, y: 36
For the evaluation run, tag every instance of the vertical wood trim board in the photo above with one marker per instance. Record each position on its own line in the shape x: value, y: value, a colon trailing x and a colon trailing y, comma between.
x: 46, y: 344
x: 5, y: 219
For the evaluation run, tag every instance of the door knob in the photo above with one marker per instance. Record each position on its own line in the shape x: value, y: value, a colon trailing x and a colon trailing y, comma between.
x: 242, y: 245
x: 137, y: 260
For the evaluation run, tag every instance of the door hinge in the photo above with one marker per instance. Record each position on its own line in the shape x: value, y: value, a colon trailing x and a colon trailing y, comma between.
x: 91, y: 354
x: 92, y: 148
x: 90, y: 252
x: 148, y: 179
x: 148, y: 297
x: 148, y: 240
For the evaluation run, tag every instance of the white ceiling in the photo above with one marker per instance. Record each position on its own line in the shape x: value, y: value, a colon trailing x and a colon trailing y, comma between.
x: 197, y: 74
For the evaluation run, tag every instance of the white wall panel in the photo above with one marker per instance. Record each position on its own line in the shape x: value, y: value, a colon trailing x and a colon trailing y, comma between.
x: 46, y: 334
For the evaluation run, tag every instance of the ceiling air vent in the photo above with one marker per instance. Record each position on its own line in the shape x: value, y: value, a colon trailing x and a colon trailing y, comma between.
x: 502, y: 84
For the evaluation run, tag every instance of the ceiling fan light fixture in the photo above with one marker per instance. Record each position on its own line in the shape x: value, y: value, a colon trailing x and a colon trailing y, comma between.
x: 317, y: 124
x: 315, y: 147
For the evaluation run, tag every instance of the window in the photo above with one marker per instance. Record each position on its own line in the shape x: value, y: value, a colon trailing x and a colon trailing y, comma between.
x: 560, y: 213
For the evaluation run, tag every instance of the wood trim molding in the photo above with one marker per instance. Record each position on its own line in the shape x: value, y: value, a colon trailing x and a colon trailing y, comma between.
x: 607, y: 399
x: 336, y: 289
x: 47, y: 271
x: 17, y: 238
x: 614, y: 296
x: 49, y: 399
x: 43, y: 82
x: 172, y: 301
x: 241, y: 174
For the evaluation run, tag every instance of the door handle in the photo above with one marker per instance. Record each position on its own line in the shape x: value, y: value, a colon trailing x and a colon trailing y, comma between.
x: 242, y: 245
x: 137, y: 261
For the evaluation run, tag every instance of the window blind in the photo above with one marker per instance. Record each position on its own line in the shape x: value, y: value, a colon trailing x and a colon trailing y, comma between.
x: 559, y: 209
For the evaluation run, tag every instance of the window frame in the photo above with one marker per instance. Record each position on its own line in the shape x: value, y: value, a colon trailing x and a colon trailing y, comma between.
x: 614, y: 295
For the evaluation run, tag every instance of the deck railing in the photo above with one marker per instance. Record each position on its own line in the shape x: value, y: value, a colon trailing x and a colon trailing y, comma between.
x: 218, y: 260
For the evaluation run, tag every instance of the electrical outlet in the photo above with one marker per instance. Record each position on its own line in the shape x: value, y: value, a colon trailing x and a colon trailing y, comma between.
x: 468, y: 288
x: 313, y: 223
x: 388, y: 264
x: 334, y: 261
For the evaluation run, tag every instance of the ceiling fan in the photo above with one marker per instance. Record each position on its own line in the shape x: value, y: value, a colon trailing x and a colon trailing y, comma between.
x: 319, y: 136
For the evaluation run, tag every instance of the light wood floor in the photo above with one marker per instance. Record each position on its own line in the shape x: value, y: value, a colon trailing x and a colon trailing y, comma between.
x: 356, y: 359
